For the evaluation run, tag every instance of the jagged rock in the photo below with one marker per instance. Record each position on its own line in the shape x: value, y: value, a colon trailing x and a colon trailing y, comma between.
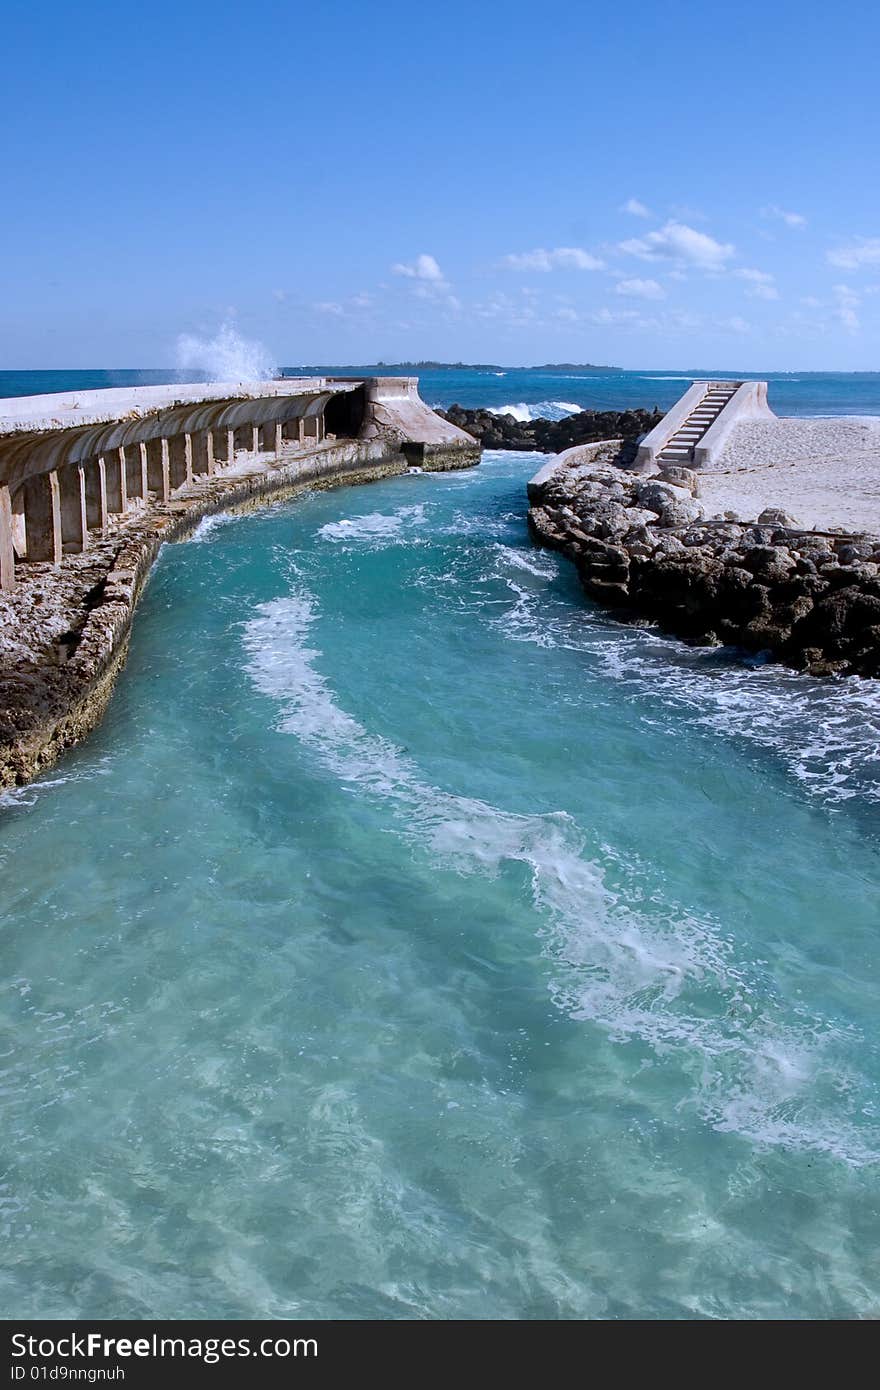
x: 643, y: 543
x: 681, y: 513
x: 680, y: 476
x: 656, y: 495
x: 552, y: 436
x: 775, y: 516
x: 850, y: 553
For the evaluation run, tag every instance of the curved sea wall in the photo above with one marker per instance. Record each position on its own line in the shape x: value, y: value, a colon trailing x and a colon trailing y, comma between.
x: 644, y: 546
x: 65, y: 618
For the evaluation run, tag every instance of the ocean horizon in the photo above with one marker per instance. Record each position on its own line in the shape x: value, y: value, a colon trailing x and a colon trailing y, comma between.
x: 526, y: 391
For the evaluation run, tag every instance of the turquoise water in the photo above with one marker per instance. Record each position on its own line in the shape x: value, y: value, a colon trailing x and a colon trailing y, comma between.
x: 413, y: 941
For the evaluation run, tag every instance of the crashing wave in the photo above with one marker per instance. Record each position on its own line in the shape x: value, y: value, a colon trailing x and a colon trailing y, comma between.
x: 544, y: 410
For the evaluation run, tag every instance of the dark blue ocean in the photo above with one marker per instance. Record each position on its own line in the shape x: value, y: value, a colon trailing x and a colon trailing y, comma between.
x: 532, y: 390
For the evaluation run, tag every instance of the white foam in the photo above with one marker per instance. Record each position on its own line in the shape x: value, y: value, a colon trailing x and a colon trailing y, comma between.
x: 636, y: 973
x: 374, y: 526
x: 826, y: 733
x: 15, y: 797
x: 208, y: 525
x: 544, y: 410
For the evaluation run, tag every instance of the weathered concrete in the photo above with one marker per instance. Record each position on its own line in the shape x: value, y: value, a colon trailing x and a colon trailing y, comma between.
x: 73, y: 462
x: 7, y: 548
x: 672, y: 421
x: 694, y: 431
x: 748, y: 403
x: 85, y: 506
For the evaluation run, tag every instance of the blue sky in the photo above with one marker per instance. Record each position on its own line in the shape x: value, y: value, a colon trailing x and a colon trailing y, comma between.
x: 642, y: 184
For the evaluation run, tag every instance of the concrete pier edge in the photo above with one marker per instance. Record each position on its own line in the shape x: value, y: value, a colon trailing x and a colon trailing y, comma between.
x: 76, y: 696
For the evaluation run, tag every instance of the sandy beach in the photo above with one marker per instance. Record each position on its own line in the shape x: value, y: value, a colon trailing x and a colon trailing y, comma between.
x: 825, y: 472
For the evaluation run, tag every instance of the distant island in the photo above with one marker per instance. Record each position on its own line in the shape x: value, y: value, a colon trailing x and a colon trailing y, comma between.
x: 465, y: 367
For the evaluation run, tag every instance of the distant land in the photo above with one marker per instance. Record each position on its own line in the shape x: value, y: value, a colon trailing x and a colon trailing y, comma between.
x: 473, y: 367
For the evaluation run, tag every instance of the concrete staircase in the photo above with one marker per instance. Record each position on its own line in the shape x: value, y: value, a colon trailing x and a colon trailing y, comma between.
x: 679, y: 449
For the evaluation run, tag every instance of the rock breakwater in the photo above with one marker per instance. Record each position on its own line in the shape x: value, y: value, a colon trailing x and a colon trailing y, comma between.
x: 645, y: 546
x: 550, y: 436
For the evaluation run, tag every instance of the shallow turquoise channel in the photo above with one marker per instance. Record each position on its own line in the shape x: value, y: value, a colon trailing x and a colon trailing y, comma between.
x: 414, y: 941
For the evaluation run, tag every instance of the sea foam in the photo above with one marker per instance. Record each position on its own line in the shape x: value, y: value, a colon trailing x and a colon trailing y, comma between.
x: 633, y: 972
x: 544, y: 410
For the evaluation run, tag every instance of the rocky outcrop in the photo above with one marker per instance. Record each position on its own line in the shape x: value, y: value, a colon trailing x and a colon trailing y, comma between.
x: 644, y: 545
x: 551, y: 436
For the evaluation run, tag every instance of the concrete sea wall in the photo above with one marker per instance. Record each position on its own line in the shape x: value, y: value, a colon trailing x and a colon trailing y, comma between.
x: 79, y: 551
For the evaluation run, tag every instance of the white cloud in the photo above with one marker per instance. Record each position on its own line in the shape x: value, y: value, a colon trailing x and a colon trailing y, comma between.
x: 632, y: 205
x: 847, y: 303
x: 424, y: 267
x: 863, y: 251
x: 811, y: 302
x: 561, y: 258
x: 791, y: 219
x: 678, y: 242
x: 346, y: 308
x: 641, y: 289
x: 735, y: 324
x: 762, y: 284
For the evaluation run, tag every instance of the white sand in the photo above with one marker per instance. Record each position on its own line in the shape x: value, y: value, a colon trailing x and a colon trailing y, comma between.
x: 824, y: 472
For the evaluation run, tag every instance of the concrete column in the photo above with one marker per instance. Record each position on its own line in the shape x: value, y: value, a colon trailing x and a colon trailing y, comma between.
x: 279, y: 436
x: 42, y: 510
x: 188, y: 456
x: 301, y: 430
x: 230, y: 448
x: 115, y: 481
x: 74, y: 527
x: 145, y: 472
x: 96, y: 496
x: 200, y: 455
x: 177, y: 460
x: 7, y: 549
x: 209, y: 451
x: 256, y: 445
x: 135, y: 471
x: 157, y: 468
x: 19, y: 527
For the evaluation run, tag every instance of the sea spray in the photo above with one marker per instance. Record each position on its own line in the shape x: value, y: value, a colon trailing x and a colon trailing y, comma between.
x: 225, y: 357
